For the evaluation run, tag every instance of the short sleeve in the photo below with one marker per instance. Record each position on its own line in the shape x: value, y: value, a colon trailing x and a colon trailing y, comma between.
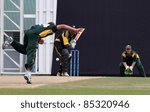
x: 123, y: 56
x: 136, y: 57
x: 53, y: 28
x: 65, y: 38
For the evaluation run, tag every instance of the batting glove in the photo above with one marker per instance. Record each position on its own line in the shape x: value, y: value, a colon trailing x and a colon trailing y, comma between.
x: 73, y: 43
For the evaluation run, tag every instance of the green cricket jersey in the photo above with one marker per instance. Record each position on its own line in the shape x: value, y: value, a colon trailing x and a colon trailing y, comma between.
x: 129, y: 59
x: 42, y: 31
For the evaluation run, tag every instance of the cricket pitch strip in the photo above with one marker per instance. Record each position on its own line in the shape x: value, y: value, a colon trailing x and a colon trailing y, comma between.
x: 38, y: 81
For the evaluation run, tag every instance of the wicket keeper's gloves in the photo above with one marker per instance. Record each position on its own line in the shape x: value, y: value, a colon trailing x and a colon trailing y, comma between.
x: 131, y: 68
x: 73, y: 43
x: 128, y: 71
x: 127, y: 67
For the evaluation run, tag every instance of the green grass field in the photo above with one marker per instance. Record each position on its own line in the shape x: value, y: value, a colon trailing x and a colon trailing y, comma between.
x: 98, y: 86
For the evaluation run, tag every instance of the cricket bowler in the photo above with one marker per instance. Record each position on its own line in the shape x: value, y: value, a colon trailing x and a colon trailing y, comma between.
x: 130, y: 60
x: 32, y: 38
x: 63, y: 44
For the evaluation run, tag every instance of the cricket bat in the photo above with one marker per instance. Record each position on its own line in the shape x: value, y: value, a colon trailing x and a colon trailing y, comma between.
x: 79, y: 34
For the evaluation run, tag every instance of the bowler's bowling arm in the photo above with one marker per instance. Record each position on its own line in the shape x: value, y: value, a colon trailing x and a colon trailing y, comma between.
x: 66, y: 27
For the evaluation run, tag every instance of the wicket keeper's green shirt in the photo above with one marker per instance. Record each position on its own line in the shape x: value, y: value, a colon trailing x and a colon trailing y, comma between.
x: 43, y: 31
x: 129, y: 59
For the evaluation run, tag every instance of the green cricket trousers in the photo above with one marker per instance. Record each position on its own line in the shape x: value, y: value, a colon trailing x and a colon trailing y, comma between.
x: 28, y: 47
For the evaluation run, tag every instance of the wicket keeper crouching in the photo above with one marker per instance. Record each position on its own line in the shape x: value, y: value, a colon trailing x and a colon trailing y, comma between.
x: 131, y: 59
x: 63, y: 44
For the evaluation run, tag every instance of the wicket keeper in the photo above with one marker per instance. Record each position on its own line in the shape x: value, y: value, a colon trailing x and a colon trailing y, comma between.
x: 63, y: 44
x: 32, y: 37
x: 131, y: 59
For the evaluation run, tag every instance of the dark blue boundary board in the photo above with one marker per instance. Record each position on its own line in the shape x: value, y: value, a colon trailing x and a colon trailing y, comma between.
x: 110, y: 25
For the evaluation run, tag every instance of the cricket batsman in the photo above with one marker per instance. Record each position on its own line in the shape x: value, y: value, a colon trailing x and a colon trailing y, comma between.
x: 130, y: 60
x: 32, y: 37
x: 63, y: 44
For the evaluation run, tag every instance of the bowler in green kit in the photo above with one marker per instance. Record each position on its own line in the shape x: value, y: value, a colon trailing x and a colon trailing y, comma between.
x: 32, y: 38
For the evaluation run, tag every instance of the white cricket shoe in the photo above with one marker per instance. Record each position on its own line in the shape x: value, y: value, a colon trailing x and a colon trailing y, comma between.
x: 28, y: 77
x: 65, y: 74
x: 7, y: 42
x: 58, y: 74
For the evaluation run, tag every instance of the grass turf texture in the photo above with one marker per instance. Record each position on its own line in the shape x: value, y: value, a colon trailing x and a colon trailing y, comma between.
x: 98, y: 86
